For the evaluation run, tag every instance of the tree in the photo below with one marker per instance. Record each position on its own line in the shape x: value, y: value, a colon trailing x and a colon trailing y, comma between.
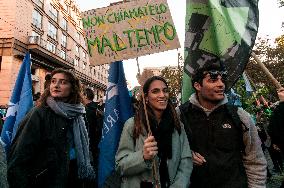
x: 173, y: 76
x: 144, y: 76
x: 272, y: 55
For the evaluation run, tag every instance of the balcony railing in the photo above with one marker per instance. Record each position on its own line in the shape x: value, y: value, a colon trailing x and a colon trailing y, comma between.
x: 44, y: 44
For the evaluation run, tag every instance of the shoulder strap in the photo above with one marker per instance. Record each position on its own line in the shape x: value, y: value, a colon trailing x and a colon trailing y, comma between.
x: 185, y: 115
x: 233, y: 112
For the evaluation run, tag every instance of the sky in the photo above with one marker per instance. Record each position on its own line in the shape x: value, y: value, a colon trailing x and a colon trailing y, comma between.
x: 270, y: 19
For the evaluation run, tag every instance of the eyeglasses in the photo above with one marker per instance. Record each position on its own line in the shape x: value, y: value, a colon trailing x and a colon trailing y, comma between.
x: 214, y: 74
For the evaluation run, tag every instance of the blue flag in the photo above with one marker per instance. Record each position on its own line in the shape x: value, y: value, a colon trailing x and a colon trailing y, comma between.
x: 118, y: 109
x: 20, y: 103
x: 249, y: 88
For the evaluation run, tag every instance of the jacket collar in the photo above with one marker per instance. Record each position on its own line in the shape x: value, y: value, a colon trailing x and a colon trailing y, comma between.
x: 193, y: 100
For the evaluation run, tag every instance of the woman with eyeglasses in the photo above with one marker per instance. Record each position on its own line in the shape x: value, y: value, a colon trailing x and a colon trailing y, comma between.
x: 51, y: 147
x: 167, y: 146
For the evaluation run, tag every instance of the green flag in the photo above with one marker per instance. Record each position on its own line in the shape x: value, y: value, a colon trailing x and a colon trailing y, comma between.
x: 218, y: 30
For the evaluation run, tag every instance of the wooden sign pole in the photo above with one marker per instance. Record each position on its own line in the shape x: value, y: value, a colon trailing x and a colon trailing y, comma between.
x: 266, y: 71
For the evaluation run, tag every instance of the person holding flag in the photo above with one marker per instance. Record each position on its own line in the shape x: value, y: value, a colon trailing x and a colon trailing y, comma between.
x: 226, y: 148
x: 166, y: 146
x: 51, y: 147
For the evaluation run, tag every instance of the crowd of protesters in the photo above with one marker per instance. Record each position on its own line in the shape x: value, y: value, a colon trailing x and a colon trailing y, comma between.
x: 203, y: 143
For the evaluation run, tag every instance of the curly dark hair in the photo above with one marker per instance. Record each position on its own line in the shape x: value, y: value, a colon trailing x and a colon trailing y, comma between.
x: 199, y: 75
x: 140, y: 118
x: 76, y: 89
x: 88, y: 92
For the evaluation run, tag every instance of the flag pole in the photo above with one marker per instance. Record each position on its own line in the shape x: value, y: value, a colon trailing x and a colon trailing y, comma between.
x: 266, y: 71
x: 155, y: 174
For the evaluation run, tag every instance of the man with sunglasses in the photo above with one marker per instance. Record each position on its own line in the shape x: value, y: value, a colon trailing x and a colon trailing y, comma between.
x: 226, y: 149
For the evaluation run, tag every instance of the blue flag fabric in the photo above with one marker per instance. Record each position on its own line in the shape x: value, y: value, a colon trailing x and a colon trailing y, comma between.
x: 234, y: 98
x: 118, y: 109
x: 20, y: 103
x: 249, y: 88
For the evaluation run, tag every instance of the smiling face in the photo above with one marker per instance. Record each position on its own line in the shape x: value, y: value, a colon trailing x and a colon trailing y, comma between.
x: 157, y: 96
x: 211, y: 91
x: 60, y: 87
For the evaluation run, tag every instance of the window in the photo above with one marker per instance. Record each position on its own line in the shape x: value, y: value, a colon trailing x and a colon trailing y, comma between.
x: 0, y: 62
x: 64, y: 40
x: 51, y: 47
x: 37, y: 18
x: 72, y: 14
x: 52, y: 31
x: 84, y: 54
x: 94, y: 72
x: 80, y: 23
x: 35, y: 34
x: 53, y: 13
x: 77, y: 49
x: 64, y: 24
x: 76, y: 62
x: 65, y: 7
x: 78, y: 36
x: 84, y: 65
x: 34, y: 38
x: 63, y: 54
x: 39, y: 3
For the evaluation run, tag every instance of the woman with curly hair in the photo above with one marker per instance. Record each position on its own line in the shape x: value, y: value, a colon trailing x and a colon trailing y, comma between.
x: 51, y: 147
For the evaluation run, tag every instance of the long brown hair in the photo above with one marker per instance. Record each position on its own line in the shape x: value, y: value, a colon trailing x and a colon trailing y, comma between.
x: 75, y: 95
x: 140, y: 118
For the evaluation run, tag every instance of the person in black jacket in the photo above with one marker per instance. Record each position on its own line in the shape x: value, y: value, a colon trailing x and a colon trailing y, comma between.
x: 93, y: 126
x: 226, y: 149
x: 51, y: 147
x: 276, y: 125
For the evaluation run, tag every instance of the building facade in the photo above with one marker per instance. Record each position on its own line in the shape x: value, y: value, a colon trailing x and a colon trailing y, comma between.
x: 157, y: 71
x: 51, y: 30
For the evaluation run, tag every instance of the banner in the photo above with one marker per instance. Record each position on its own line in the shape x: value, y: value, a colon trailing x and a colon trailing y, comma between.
x: 129, y: 30
x: 223, y: 31
x: 118, y: 109
x: 20, y: 103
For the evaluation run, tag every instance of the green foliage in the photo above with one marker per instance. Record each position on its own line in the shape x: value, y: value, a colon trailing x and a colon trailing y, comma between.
x: 248, y: 100
x: 174, y: 78
x: 272, y: 55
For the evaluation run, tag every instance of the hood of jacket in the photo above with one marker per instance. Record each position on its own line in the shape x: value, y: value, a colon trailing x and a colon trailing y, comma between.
x: 193, y: 99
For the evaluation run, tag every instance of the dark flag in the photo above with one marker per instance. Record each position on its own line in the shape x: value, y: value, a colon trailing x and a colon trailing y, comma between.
x: 20, y: 103
x: 118, y: 109
x: 218, y: 31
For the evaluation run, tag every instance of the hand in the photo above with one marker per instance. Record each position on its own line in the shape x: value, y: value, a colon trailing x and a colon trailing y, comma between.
x: 150, y: 148
x: 281, y: 94
x: 275, y: 147
x: 197, y: 158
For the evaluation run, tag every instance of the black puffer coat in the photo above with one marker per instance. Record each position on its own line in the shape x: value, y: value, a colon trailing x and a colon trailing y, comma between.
x: 39, y: 155
x: 276, y: 126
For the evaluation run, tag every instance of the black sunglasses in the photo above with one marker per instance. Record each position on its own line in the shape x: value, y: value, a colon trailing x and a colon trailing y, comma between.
x: 214, y: 74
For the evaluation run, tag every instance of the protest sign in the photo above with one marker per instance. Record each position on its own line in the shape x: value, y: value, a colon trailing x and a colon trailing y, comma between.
x: 129, y: 30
